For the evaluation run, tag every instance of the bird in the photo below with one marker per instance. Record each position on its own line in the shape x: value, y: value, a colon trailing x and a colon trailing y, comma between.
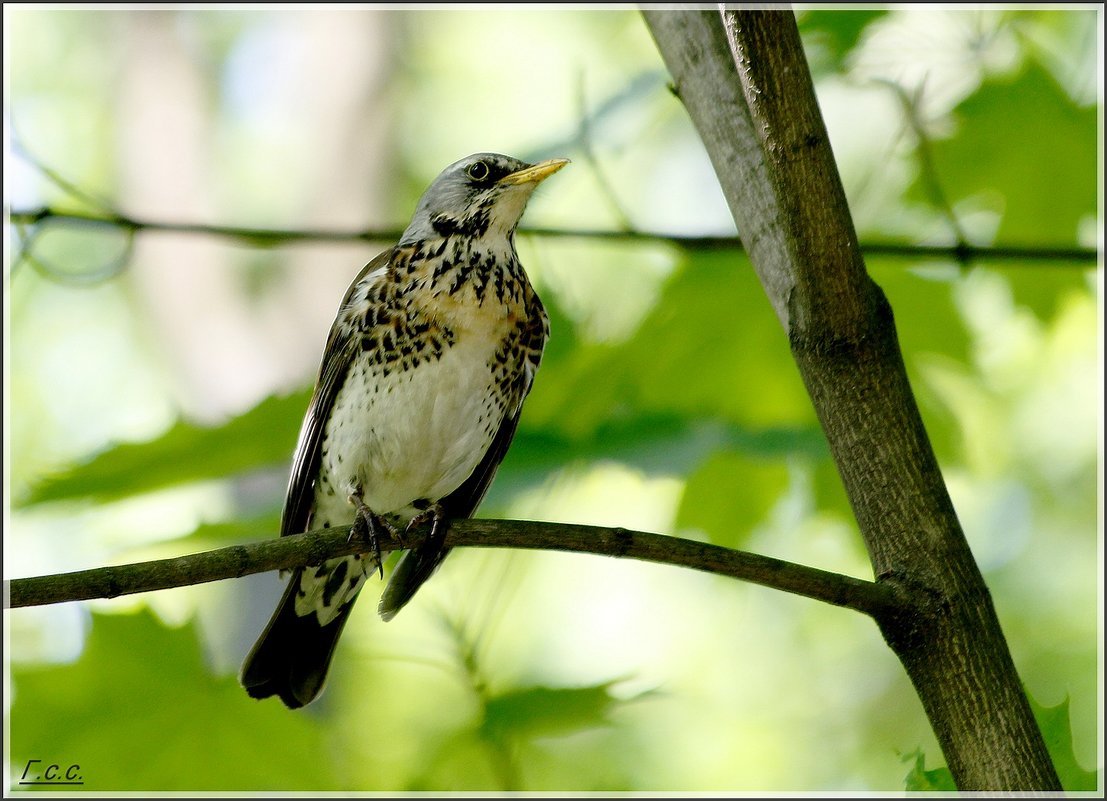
x: 421, y: 384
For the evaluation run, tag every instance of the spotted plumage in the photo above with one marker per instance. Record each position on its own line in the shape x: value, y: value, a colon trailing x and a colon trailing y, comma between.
x: 434, y: 348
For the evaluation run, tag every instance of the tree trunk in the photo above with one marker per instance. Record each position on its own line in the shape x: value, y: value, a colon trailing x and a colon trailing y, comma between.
x: 744, y: 80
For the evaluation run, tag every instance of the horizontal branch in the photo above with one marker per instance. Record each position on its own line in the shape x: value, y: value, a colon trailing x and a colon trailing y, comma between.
x: 272, y: 237
x: 874, y: 599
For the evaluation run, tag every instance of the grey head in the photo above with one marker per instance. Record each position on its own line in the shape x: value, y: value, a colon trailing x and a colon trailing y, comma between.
x: 480, y: 195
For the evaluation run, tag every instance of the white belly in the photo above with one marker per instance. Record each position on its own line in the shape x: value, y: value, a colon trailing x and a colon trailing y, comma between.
x: 417, y: 434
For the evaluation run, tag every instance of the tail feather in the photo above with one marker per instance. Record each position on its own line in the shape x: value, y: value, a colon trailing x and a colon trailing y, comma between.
x: 291, y: 657
x: 412, y: 569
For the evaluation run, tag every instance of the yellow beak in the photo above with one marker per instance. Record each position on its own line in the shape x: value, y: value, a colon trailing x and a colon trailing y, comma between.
x: 532, y: 175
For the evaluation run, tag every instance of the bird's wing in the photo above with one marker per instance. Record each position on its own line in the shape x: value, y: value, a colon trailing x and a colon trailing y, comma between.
x: 342, y: 344
x: 291, y: 657
x: 463, y: 501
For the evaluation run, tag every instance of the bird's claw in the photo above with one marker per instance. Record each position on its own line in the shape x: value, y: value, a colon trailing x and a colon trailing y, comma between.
x: 434, y: 514
x: 366, y: 527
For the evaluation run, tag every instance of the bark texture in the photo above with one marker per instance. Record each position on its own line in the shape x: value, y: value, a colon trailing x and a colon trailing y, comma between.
x: 744, y: 80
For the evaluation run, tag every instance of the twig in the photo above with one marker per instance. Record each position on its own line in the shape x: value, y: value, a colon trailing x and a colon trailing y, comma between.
x: 927, y: 169
x: 871, y: 598
x: 588, y: 148
x: 273, y: 237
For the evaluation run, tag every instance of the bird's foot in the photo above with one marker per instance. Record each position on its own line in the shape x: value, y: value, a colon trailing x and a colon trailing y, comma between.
x: 367, y: 527
x: 433, y: 514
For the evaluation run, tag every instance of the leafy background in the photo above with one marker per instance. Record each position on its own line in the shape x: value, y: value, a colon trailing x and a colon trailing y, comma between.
x: 154, y: 390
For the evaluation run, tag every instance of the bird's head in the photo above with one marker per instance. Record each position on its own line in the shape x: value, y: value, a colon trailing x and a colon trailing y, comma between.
x: 479, y: 195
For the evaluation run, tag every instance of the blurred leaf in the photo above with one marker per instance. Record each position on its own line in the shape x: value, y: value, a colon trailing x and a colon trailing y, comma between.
x: 538, y: 738
x: 563, y: 342
x: 926, y: 316
x: 263, y: 436
x: 711, y: 348
x: 653, y: 444
x: 460, y: 764
x: 729, y: 495
x: 714, y: 343
x: 830, y: 495
x: 1022, y: 137
x: 140, y: 711
x: 922, y: 780
x: 1057, y: 730
x: 658, y: 443
x: 547, y: 711
x: 236, y: 531
x: 1043, y: 288
x: 534, y: 739
x: 837, y: 31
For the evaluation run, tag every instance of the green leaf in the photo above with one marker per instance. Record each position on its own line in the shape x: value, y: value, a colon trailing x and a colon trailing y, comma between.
x: 729, y: 495
x: 926, y: 315
x: 140, y: 711
x: 547, y: 711
x: 461, y: 763
x: 1056, y: 729
x: 835, y: 31
x: 1022, y: 140
x: 660, y: 443
x: 922, y: 780
x: 1057, y: 732
x: 653, y: 444
x: 1044, y: 288
x: 711, y: 348
x: 546, y: 738
x: 236, y: 531
x: 265, y: 435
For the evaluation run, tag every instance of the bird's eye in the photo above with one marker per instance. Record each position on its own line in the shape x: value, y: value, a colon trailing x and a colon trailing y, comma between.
x: 478, y: 171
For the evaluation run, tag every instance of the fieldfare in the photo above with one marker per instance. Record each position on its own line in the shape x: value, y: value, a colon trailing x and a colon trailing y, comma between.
x: 422, y: 381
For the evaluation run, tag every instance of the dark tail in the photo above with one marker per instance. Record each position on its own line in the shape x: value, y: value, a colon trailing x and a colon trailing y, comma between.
x: 412, y: 569
x: 291, y: 657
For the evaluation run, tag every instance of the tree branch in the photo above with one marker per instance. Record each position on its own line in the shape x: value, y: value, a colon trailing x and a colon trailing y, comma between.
x: 314, y: 547
x: 744, y: 80
x: 274, y: 237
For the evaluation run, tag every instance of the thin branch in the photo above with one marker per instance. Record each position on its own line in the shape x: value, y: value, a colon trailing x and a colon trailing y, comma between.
x: 928, y: 172
x: 588, y: 148
x: 274, y: 237
x: 871, y: 598
x: 258, y: 237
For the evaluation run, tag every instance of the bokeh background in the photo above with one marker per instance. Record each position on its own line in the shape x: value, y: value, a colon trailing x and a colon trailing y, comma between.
x: 155, y: 383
